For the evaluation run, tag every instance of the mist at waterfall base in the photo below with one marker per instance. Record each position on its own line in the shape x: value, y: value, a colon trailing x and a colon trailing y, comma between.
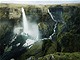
x: 32, y: 33
x: 30, y: 30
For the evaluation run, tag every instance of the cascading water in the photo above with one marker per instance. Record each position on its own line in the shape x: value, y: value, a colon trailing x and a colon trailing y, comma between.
x: 56, y: 23
x: 55, y: 26
x: 25, y: 22
x: 30, y: 29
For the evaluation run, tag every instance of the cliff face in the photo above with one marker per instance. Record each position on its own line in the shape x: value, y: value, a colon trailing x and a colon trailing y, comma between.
x: 11, y: 17
x: 33, y: 14
x: 14, y: 13
x: 70, y: 38
x: 67, y: 38
x: 6, y: 12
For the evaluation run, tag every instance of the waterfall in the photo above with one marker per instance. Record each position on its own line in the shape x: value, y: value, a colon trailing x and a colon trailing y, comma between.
x: 55, y: 26
x: 25, y: 22
x: 30, y: 29
x: 56, y: 22
x: 54, y: 29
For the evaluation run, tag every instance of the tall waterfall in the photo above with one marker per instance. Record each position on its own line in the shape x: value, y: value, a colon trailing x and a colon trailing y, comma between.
x: 30, y: 29
x: 25, y: 22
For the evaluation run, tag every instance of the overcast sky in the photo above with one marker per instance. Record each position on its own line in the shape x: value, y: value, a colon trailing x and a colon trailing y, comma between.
x: 39, y: 1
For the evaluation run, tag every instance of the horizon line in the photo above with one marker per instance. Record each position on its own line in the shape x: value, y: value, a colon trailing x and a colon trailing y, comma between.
x: 40, y: 2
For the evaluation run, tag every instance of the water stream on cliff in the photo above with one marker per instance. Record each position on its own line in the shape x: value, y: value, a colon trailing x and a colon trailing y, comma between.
x: 55, y: 26
x: 54, y: 29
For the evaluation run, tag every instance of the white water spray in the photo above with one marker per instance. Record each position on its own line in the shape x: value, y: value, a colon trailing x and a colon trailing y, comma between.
x: 30, y: 28
x: 25, y: 22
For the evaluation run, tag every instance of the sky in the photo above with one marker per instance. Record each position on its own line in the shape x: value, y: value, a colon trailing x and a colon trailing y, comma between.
x: 39, y: 1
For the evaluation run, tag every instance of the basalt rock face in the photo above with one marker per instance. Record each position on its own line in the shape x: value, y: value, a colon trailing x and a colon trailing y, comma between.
x: 33, y: 14
x: 67, y: 37
x: 69, y: 41
x: 7, y: 21
x: 43, y: 19
x: 11, y: 17
x: 9, y: 13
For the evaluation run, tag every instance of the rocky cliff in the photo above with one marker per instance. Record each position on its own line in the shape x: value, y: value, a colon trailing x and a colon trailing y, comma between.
x: 67, y: 37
